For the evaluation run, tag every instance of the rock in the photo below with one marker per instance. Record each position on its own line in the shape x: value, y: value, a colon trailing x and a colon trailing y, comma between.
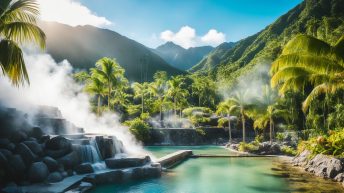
x: 16, y: 168
x: 115, y: 163
x: 83, y: 187
x: 17, y: 163
x: 43, y: 139
x: 54, y: 177
x: 18, y: 136
x: 84, y: 168
x: 25, y: 152
x: 13, y: 188
x: 57, y: 153
x: 70, y: 160
x: 339, y: 177
x: 35, y: 147
x: 106, y: 177
x: 234, y: 146
x: 147, y: 172
x: 36, y: 132
x: 58, y: 143
x: 38, y: 172
x: 6, y: 153
x: 4, y: 142
x: 11, y: 147
x: 301, y: 159
x: 3, y: 161
x: 52, y: 164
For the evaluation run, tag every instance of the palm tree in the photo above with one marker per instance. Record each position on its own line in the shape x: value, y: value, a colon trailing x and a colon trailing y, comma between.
x: 18, y: 26
x: 97, y: 87
x: 267, y: 110
x: 227, y: 108
x: 109, y: 71
x: 240, y: 101
x: 140, y: 91
x: 176, y: 91
x: 306, y: 60
x: 157, y: 88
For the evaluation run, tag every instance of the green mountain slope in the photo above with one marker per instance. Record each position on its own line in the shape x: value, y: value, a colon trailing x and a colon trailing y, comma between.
x: 323, y: 19
x: 182, y: 58
x: 82, y: 46
x: 213, y: 58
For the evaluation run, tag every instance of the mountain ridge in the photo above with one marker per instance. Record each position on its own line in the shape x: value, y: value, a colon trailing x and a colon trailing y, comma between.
x: 323, y: 19
x: 82, y: 46
x: 180, y: 57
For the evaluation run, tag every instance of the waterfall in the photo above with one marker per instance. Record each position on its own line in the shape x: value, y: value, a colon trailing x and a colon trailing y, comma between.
x: 88, y: 152
x: 117, y: 146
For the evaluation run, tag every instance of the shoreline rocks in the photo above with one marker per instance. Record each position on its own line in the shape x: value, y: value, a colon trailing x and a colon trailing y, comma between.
x: 321, y: 165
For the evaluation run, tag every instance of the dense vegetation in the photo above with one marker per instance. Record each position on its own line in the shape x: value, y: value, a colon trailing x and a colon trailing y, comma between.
x: 147, y: 104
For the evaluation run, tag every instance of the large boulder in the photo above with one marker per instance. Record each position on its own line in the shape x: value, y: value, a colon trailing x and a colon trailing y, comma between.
x: 6, y: 153
x: 58, y: 143
x: 51, y: 163
x: 152, y: 171
x: 54, y: 177
x: 115, y: 163
x: 339, y: 177
x: 35, y: 147
x: 325, y: 166
x: 38, y: 172
x: 36, y: 132
x: 3, y: 161
x: 301, y: 159
x: 84, y: 168
x: 18, y: 136
x: 115, y: 176
x: 57, y: 153
x: 4, y: 142
x: 70, y: 160
x: 16, y: 167
x: 25, y: 152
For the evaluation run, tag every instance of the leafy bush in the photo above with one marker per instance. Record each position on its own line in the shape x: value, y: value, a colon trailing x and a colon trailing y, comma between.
x: 286, y: 150
x: 139, y: 128
x: 280, y: 137
x: 222, y: 122
x: 259, y: 138
x: 248, y: 147
x: 197, y: 115
x: 331, y: 144
x: 200, y: 130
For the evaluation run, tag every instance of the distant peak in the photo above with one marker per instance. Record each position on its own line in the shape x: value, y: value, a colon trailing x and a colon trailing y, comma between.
x: 169, y: 45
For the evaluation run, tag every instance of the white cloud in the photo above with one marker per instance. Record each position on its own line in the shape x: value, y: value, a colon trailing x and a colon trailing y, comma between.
x: 213, y: 37
x: 70, y: 12
x: 187, y: 37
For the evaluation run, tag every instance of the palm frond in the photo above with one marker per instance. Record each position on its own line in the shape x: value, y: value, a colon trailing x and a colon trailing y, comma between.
x: 307, y: 44
x: 12, y: 62
x: 21, y: 11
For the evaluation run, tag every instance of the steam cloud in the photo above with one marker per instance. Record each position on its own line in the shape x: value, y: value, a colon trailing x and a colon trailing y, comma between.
x: 51, y: 84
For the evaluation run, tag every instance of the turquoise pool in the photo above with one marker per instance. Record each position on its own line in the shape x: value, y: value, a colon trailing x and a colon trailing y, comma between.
x: 222, y: 175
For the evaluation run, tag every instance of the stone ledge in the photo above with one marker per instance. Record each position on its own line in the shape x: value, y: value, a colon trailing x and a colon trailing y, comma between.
x: 174, y: 158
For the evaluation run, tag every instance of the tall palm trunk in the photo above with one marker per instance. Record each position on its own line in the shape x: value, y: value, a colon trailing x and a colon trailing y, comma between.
x: 98, y: 106
x: 229, y: 129
x: 109, y: 93
x: 175, y: 106
x: 243, y: 126
x: 142, y: 103
x: 271, y: 124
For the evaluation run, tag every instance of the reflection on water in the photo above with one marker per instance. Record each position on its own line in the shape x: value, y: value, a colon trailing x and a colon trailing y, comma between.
x: 222, y: 175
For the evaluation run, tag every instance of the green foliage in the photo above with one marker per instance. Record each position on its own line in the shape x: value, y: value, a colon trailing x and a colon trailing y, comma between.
x: 286, y: 150
x: 248, y: 147
x: 18, y: 21
x: 222, y: 122
x: 336, y: 118
x: 139, y: 128
x: 331, y: 144
x: 198, y: 115
x: 280, y: 137
x: 200, y: 130
x: 259, y: 138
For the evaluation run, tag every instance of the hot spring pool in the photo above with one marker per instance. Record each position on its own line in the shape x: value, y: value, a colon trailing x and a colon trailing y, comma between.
x: 222, y: 175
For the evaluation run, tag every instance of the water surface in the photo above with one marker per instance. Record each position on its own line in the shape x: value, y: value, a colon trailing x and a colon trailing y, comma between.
x: 222, y: 175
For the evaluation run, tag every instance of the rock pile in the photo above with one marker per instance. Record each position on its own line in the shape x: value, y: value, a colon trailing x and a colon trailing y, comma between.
x: 321, y: 165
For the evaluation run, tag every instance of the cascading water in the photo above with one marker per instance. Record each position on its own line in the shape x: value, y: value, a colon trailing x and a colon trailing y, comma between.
x: 89, y: 153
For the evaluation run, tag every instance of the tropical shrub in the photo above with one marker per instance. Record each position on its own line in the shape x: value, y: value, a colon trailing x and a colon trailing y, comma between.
x: 286, y: 150
x: 139, y: 128
x: 331, y: 144
x: 248, y: 147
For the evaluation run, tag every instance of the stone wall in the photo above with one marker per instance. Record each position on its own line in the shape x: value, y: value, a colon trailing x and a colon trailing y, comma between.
x: 206, y: 136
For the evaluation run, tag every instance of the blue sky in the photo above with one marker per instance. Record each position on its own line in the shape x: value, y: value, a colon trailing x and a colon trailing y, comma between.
x: 145, y: 20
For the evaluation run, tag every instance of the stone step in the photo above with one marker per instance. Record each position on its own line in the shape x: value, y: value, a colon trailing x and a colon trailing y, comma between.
x: 115, y: 163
